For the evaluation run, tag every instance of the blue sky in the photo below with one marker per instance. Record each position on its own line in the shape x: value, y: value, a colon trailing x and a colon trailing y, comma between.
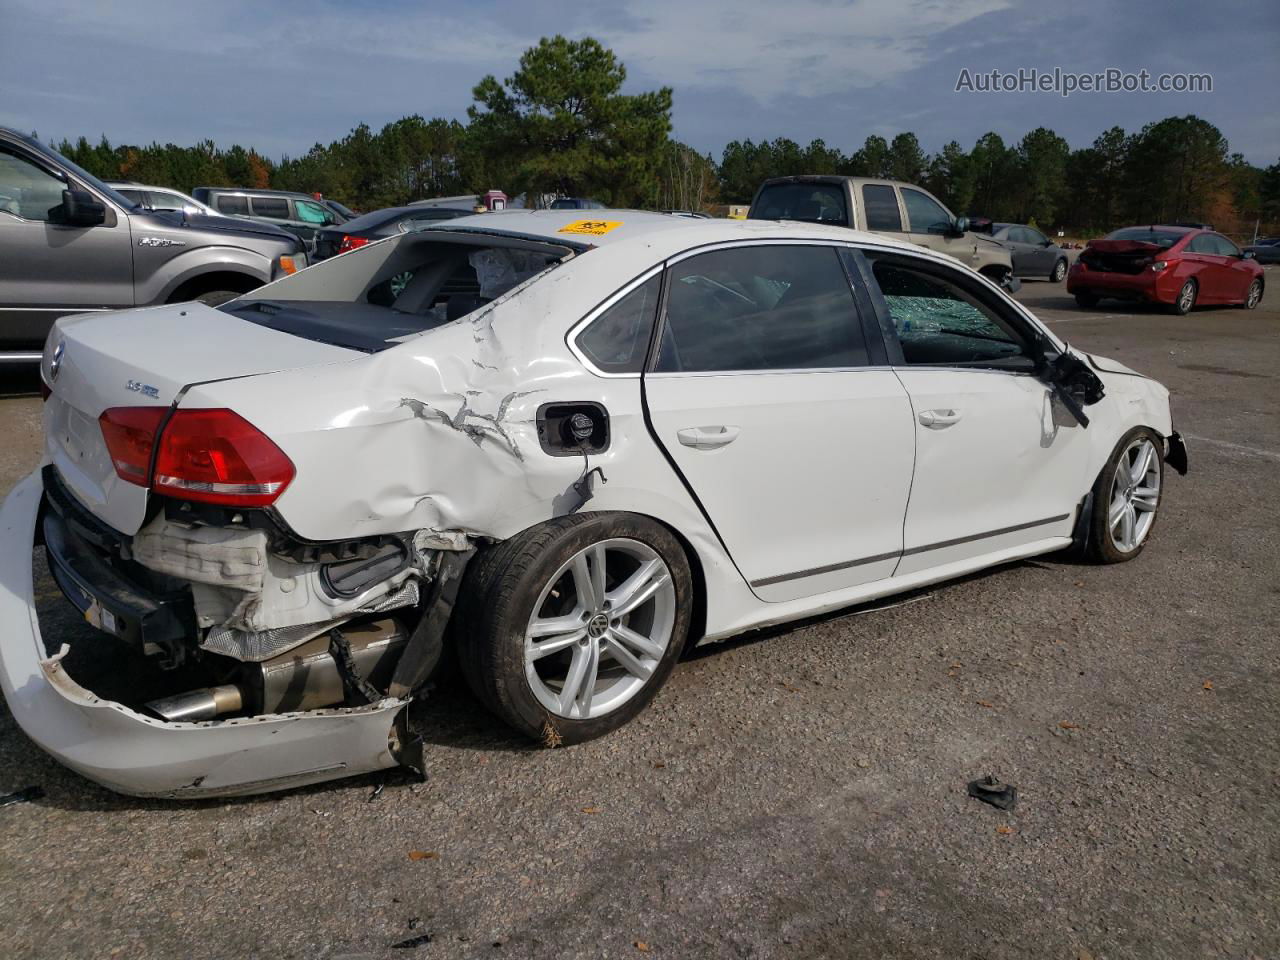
x: 282, y: 76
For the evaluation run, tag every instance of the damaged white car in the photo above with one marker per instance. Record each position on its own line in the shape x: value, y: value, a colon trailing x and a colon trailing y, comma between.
x: 569, y: 447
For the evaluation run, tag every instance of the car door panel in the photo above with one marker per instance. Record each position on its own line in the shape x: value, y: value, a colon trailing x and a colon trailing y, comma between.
x: 763, y: 396
x: 1008, y: 470
x: 999, y: 462
x: 809, y: 492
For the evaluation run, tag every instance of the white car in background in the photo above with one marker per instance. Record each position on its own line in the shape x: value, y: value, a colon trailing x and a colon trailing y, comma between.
x: 570, y: 446
x: 161, y: 198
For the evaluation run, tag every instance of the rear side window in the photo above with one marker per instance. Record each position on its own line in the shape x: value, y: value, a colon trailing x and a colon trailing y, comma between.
x: 880, y: 203
x: 618, y: 339
x: 924, y: 213
x: 275, y: 207
x: 939, y: 323
x: 236, y: 206
x: 815, y: 202
x: 760, y: 308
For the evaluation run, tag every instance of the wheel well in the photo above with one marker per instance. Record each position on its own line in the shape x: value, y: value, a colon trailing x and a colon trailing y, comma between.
x: 698, y: 611
x: 209, y: 282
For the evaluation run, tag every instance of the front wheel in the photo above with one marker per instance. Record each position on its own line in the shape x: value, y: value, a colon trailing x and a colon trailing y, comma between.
x: 1254, y: 296
x: 569, y: 629
x: 1126, y: 498
x: 1059, y: 271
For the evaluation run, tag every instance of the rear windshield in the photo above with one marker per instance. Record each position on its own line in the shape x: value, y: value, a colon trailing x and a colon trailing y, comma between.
x: 1161, y: 238
x: 813, y: 202
x: 378, y: 296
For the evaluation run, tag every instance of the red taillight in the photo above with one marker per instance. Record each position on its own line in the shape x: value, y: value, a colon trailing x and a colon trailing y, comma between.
x: 130, y: 433
x: 214, y: 456
x: 350, y: 243
x: 217, y: 456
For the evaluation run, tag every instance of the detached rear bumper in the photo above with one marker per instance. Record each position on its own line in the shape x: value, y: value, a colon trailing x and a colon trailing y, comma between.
x: 135, y: 754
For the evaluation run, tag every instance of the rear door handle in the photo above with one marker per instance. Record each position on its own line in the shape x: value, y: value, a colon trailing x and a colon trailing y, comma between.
x: 707, y: 438
x: 938, y: 419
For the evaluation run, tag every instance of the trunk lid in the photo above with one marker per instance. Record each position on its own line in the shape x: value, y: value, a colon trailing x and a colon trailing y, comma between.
x: 1120, y: 256
x: 139, y: 358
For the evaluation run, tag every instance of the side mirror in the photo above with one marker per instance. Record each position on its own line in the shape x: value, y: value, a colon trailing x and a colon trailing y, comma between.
x: 1047, y: 242
x: 1246, y: 255
x: 78, y: 209
x: 960, y: 226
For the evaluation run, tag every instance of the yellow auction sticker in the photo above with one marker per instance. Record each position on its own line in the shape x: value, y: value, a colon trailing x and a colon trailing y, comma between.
x: 591, y: 228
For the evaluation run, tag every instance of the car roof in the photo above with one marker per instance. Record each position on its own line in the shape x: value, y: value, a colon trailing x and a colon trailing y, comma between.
x: 1166, y: 227
x: 264, y: 192
x: 840, y: 178
x: 664, y: 234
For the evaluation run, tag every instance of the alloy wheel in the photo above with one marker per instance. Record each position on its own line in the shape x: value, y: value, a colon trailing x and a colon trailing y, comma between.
x: 599, y: 629
x: 1059, y: 271
x: 1255, y: 294
x: 1187, y: 297
x: 1135, y: 495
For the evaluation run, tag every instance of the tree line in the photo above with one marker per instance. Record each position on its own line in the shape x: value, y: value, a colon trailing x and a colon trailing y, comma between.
x: 561, y: 126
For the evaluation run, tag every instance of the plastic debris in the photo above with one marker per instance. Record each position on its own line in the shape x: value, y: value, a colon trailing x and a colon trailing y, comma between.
x: 25, y: 795
x: 1002, y: 796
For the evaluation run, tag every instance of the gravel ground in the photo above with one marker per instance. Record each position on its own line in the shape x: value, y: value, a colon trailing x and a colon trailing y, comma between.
x: 800, y: 794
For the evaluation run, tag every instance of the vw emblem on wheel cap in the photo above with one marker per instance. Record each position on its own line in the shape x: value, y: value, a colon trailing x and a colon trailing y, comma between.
x: 55, y: 363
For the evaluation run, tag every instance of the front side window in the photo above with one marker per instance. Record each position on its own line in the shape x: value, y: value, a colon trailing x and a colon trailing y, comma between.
x: 1035, y: 237
x: 939, y: 323
x: 924, y: 214
x: 618, y: 339
x: 1222, y: 246
x: 814, y: 202
x: 276, y: 208
x: 309, y: 212
x: 26, y: 190
x: 760, y: 308
x: 233, y: 206
x: 880, y: 204
x: 169, y: 201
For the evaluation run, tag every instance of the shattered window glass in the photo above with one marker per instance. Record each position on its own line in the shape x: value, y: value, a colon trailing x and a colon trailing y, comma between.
x: 499, y: 269
x: 761, y: 308
x: 617, y: 340
x: 938, y: 323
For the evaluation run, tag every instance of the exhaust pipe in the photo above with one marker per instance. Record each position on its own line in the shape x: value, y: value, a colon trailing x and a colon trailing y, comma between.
x: 305, y: 678
x: 206, y: 704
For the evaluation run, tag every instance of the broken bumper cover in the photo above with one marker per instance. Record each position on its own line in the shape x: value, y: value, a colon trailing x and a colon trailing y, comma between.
x: 135, y: 754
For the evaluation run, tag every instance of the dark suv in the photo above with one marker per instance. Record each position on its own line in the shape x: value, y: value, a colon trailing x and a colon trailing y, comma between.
x: 71, y: 244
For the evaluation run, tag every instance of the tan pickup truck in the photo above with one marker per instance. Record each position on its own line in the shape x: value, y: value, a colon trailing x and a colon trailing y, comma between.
x: 901, y: 210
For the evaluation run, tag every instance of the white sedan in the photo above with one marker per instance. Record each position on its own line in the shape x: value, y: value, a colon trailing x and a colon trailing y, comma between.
x: 571, y: 447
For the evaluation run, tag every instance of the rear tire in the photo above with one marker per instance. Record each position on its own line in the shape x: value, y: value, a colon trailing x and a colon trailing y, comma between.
x: 216, y: 298
x: 1125, y: 509
x: 1185, y: 302
x: 1086, y: 300
x: 532, y: 635
x: 1059, y: 272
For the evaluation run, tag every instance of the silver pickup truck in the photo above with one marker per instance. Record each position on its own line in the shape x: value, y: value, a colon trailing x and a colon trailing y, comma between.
x: 71, y: 244
x: 902, y: 210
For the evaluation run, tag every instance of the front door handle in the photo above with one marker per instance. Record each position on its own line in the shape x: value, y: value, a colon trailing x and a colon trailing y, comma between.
x: 938, y: 419
x: 707, y: 438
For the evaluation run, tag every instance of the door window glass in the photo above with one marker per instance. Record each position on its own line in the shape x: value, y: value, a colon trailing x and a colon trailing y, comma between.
x: 277, y: 208
x: 27, y: 191
x: 925, y: 214
x: 761, y: 308
x: 309, y: 212
x: 136, y: 196
x: 618, y: 339
x: 233, y: 206
x: 940, y: 323
x: 880, y: 203
x: 1223, y: 246
x: 1034, y: 236
x: 168, y: 201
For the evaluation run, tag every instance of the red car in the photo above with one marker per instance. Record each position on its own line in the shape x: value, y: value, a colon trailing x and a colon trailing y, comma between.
x: 1176, y: 266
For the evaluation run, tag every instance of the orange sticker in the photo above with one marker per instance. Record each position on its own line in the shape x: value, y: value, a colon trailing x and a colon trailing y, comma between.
x: 591, y: 228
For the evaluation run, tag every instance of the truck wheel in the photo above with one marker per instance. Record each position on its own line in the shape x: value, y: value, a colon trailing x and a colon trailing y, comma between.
x: 568, y: 630
x: 215, y: 298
